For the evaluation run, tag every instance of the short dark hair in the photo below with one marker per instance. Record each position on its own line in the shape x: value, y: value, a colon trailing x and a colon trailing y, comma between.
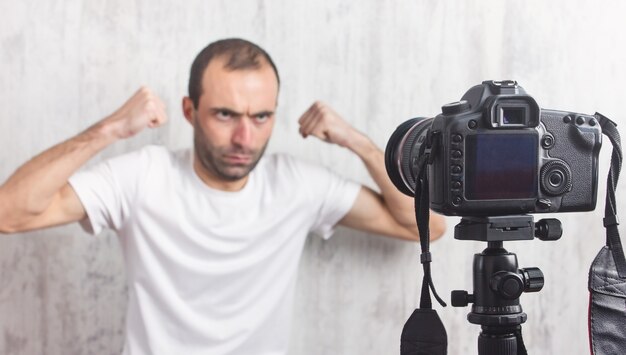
x: 239, y: 53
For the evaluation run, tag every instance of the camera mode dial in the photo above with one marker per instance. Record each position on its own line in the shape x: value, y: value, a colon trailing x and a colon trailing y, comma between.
x: 454, y: 108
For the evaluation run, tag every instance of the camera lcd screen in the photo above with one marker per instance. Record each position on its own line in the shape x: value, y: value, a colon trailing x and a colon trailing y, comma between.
x: 501, y: 166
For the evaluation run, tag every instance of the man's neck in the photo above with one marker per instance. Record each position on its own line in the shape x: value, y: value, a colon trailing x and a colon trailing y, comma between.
x: 214, y: 182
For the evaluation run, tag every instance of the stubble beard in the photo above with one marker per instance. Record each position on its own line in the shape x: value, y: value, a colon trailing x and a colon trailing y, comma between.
x: 212, y: 157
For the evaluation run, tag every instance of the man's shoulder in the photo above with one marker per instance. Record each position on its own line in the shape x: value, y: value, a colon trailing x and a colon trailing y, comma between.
x: 279, y: 161
x: 150, y: 157
x: 160, y: 153
x: 287, y: 165
x: 146, y: 152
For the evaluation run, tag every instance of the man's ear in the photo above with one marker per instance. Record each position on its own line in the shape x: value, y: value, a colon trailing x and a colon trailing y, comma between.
x: 188, y: 109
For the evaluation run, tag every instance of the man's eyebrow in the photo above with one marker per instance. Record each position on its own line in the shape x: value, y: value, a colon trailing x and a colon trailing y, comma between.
x: 226, y: 110
x: 264, y: 113
x: 235, y: 113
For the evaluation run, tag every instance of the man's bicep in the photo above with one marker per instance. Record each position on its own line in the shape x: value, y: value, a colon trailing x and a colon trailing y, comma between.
x: 65, y: 208
x: 370, y: 214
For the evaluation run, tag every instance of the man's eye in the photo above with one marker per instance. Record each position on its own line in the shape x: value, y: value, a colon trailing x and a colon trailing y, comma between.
x: 262, y: 117
x: 224, y: 115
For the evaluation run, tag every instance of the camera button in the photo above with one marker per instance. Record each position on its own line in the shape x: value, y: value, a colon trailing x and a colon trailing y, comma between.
x: 543, y: 204
x: 547, y: 142
x: 580, y: 120
x: 457, y: 154
x: 456, y: 185
x: 457, y: 200
x: 456, y: 169
x: 472, y: 124
x: 592, y: 122
x: 457, y: 138
x: 567, y: 119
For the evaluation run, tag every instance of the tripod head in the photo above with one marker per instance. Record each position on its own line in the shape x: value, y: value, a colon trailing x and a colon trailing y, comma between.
x: 507, y: 228
x: 498, y: 283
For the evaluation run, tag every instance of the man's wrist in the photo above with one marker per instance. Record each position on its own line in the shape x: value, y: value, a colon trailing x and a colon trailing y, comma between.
x: 362, y: 145
x: 102, y: 132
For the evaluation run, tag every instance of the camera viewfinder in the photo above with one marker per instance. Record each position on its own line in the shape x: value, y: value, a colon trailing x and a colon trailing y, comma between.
x: 512, y: 116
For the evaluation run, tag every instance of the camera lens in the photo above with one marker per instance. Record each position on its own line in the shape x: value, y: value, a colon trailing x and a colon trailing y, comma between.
x: 556, y: 178
x: 402, y: 153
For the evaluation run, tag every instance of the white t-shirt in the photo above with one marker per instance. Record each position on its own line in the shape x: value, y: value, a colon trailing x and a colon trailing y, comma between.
x: 209, y: 271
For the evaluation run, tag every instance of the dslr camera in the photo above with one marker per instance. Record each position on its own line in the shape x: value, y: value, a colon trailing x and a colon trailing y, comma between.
x: 495, y: 153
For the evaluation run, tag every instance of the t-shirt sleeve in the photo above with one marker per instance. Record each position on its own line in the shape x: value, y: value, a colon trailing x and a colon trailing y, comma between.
x: 337, y: 198
x: 107, y: 191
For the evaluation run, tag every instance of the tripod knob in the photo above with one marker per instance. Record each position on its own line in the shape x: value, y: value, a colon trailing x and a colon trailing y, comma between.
x: 508, y: 285
x: 533, y: 279
x: 461, y: 298
x: 548, y: 229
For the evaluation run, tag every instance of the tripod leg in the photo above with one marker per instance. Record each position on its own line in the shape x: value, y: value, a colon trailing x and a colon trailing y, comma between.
x: 497, y: 342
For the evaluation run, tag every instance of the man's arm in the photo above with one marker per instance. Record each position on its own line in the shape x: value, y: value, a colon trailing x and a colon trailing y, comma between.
x: 38, y: 195
x: 389, y: 212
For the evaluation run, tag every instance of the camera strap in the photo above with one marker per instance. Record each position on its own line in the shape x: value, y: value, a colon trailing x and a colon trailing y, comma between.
x: 607, y: 275
x: 423, y: 332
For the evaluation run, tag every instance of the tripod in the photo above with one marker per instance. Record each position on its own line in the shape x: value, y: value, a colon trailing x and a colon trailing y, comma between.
x: 498, y: 283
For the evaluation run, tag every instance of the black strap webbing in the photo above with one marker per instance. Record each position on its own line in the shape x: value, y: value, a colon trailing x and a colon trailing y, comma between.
x: 422, y: 214
x: 611, y: 221
x: 423, y: 332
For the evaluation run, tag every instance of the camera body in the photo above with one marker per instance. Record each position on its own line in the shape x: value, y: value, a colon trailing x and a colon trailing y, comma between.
x: 496, y: 152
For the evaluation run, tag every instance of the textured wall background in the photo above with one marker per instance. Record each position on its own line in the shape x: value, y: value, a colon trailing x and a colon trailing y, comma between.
x: 66, y: 64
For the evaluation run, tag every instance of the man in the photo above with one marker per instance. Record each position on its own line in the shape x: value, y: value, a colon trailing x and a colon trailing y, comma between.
x: 211, y: 236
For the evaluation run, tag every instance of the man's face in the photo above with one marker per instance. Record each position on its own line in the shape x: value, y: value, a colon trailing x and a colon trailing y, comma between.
x: 234, y: 119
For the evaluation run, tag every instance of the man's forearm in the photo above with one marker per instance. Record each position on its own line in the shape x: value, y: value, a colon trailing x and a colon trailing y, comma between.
x: 31, y: 188
x: 324, y: 123
x: 400, y: 205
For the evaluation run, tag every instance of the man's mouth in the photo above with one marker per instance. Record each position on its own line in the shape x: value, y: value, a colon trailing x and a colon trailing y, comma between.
x: 238, y: 159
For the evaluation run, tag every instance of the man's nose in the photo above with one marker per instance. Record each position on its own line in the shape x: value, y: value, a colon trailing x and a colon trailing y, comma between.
x: 243, y: 132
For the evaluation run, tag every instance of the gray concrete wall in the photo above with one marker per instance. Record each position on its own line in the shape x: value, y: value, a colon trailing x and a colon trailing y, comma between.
x: 66, y: 64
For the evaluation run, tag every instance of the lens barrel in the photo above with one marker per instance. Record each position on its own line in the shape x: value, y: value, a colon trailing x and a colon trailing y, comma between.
x: 402, y: 153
